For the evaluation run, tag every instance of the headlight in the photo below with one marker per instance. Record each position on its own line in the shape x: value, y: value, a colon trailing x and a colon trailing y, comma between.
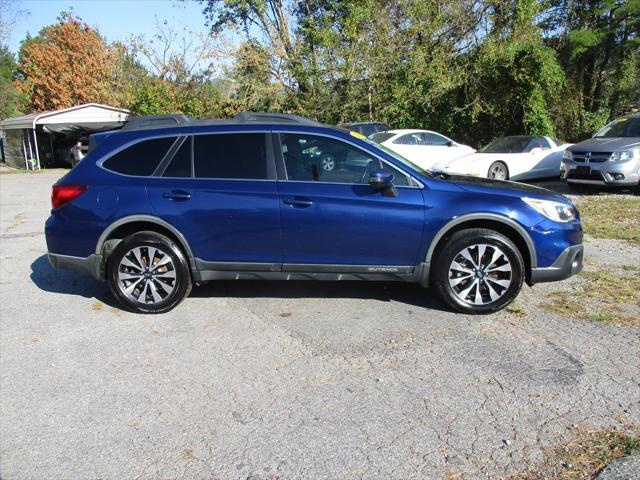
x: 556, y: 211
x: 624, y: 155
x: 567, y: 155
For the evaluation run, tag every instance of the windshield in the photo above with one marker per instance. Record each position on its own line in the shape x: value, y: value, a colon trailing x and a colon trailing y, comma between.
x: 381, y: 136
x: 400, y: 158
x: 516, y: 144
x: 622, y: 127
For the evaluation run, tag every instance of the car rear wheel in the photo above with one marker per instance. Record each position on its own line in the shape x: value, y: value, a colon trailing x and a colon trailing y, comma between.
x: 148, y: 273
x: 478, y: 271
x: 498, y: 171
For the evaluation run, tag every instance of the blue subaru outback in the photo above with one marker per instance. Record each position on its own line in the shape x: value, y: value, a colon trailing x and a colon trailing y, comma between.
x: 170, y: 201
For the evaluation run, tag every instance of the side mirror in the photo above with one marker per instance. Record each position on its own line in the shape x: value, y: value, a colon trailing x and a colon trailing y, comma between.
x: 535, y: 151
x: 449, y: 143
x: 382, y: 181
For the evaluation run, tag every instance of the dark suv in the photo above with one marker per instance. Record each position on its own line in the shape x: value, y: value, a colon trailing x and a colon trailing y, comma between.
x: 171, y: 201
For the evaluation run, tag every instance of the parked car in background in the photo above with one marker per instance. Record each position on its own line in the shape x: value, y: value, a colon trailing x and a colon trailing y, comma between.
x: 154, y: 208
x: 518, y: 157
x: 365, y: 128
x: 423, y: 147
x: 610, y: 158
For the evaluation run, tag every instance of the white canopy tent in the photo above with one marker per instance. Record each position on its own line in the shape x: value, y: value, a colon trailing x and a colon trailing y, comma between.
x: 23, y: 145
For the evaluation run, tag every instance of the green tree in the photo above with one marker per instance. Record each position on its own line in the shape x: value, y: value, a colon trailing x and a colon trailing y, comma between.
x: 255, y: 88
x: 12, y: 102
x: 598, y: 44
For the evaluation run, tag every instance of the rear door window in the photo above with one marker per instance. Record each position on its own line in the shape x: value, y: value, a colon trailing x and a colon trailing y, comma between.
x: 140, y: 159
x: 230, y: 155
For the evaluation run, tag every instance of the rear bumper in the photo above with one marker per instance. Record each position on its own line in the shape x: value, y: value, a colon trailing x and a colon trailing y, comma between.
x: 568, y: 263
x: 91, y: 264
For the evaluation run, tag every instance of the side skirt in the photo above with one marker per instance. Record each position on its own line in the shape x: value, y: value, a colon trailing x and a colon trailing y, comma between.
x: 246, y: 271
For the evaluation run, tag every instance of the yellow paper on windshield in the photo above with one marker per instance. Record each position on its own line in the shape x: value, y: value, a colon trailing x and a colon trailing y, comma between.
x: 358, y: 135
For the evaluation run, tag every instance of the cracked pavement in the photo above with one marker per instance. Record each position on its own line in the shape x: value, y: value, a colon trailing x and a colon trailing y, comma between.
x: 286, y: 380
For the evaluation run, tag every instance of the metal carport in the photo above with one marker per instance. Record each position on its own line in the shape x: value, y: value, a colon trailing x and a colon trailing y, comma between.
x: 30, y: 140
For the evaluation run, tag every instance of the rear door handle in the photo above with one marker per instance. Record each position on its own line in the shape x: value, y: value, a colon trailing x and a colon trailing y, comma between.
x: 298, y: 202
x: 177, y: 195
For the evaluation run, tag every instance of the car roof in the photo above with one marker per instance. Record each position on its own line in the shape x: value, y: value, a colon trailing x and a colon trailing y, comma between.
x: 357, y: 124
x: 244, y: 118
x: 530, y: 137
x: 404, y: 131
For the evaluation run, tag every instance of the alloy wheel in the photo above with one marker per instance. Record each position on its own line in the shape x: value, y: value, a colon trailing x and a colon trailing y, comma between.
x: 480, y: 274
x: 146, y: 275
x: 328, y: 164
x: 498, y: 172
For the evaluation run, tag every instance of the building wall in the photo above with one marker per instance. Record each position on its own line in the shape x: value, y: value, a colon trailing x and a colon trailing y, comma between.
x: 13, y: 148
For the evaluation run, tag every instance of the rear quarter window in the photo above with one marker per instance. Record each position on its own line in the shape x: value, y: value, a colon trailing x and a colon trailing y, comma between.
x: 140, y: 159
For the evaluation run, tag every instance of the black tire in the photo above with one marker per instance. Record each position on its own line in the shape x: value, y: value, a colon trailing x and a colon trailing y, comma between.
x: 487, y: 283
x: 498, y: 165
x: 177, y: 267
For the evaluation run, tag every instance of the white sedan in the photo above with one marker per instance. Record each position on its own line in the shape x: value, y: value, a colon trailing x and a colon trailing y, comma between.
x: 519, y: 157
x: 423, y: 147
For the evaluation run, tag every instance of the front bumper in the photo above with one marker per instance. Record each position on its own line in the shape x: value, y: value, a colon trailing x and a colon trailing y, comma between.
x: 568, y: 263
x: 91, y: 264
x: 601, y: 173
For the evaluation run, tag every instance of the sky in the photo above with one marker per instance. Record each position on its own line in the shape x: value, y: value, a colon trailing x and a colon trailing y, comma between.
x: 115, y: 19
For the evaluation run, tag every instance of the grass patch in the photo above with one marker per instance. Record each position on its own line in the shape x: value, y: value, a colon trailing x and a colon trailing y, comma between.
x: 584, y: 457
x: 517, y: 310
x: 560, y: 302
x: 612, y: 287
x: 600, y: 297
x: 610, y: 217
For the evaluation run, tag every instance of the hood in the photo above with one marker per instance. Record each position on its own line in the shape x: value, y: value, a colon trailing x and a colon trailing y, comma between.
x: 451, y: 163
x: 501, y: 187
x: 606, y: 144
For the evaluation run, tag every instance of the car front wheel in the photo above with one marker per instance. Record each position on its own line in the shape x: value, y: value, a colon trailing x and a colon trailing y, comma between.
x: 478, y: 271
x: 148, y: 273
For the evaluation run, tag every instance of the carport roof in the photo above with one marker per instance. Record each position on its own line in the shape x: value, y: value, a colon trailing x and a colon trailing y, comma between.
x: 89, y: 115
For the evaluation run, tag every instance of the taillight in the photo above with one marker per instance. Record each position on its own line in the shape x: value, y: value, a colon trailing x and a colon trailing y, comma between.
x: 63, y: 194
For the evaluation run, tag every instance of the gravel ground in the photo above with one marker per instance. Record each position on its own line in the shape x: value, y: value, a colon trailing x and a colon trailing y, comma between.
x: 288, y: 380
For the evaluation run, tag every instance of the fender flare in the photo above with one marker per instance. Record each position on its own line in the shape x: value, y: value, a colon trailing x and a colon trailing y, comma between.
x: 143, y: 218
x: 484, y: 216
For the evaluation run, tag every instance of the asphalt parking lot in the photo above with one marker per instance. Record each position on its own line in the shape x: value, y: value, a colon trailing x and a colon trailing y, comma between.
x: 288, y: 380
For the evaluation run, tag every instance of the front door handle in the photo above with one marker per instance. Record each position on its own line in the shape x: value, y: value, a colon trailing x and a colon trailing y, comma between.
x: 298, y: 202
x: 177, y: 195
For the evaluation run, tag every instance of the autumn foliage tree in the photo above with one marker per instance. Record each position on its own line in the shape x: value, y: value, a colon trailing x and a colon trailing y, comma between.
x: 67, y: 64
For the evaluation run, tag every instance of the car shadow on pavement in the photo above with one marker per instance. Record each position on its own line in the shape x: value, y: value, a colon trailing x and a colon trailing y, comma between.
x: 408, y: 293
x: 46, y: 278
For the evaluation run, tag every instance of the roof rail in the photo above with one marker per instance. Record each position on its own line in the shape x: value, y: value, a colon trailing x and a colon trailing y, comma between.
x: 156, y: 121
x: 273, y: 117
